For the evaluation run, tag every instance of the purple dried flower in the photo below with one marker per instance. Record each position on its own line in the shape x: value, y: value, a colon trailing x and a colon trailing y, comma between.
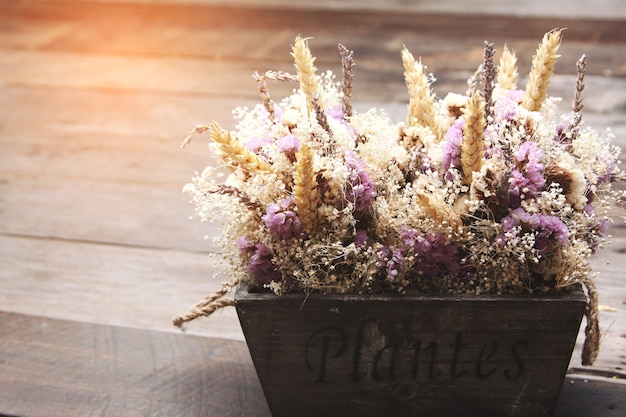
x: 282, y: 221
x: 435, y: 256
x: 261, y: 266
x: 452, y: 147
x: 246, y: 247
x: 527, y: 181
x: 563, y: 128
x: 336, y: 112
x: 361, y: 190
x: 289, y: 144
x: 257, y: 143
x: 599, y: 230
x: 442, y: 259
x: 530, y: 152
x: 415, y: 240
x: 278, y: 112
x: 521, y: 216
x: 360, y: 238
x: 506, y: 108
x: 608, y: 163
x: 392, y: 259
x: 557, y: 228
x: 601, y: 227
x: 550, y: 230
x: 516, y: 95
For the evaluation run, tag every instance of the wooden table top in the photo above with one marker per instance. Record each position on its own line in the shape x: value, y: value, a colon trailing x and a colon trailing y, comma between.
x: 97, y: 251
x: 51, y: 367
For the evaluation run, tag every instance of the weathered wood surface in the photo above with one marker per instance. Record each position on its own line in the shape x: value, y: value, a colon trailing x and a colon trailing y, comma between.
x: 63, y: 368
x: 96, y: 98
x: 409, y: 354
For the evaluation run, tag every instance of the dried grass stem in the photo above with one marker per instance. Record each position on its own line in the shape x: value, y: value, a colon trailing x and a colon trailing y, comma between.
x: 577, y: 103
x: 223, y: 189
x: 264, y: 90
x: 472, y: 82
x: 488, y: 77
x: 347, y: 66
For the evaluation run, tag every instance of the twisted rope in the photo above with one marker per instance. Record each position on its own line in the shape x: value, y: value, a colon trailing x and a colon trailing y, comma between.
x: 209, y: 305
x: 591, y: 346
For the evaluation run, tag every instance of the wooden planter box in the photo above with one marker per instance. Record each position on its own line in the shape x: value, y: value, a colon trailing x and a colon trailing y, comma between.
x: 410, y: 355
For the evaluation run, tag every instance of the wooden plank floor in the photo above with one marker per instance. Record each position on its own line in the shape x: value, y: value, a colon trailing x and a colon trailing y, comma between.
x: 109, y: 371
x: 97, y: 96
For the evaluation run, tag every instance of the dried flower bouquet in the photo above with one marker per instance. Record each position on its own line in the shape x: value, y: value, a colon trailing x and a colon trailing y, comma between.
x: 487, y: 192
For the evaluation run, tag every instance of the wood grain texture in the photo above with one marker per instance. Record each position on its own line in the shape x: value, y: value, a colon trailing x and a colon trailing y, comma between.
x: 409, y: 354
x: 60, y: 368
x: 105, y: 283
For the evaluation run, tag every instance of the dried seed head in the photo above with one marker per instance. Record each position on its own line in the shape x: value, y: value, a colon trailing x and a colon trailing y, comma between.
x: 347, y: 66
x: 488, y: 77
x: 472, y: 147
x: 234, y: 153
x: 577, y: 103
x: 422, y: 100
x: 442, y: 214
x: 304, y: 63
x: 541, y: 71
x: 507, y: 70
x: 306, y: 189
x: 472, y: 82
x: 264, y: 91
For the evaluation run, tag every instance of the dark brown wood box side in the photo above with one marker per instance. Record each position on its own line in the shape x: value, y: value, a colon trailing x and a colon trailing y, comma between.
x: 404, y: 355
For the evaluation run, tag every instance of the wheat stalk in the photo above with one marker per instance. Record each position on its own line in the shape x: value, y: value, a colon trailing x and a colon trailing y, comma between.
x: 421, y: 109
x: 305, y: 189
x: 473, y: 134
x: 305, y: 70
x: 441, y: 214
x: 541, y: 71
x: 507, y: 70
x: 234, y: 153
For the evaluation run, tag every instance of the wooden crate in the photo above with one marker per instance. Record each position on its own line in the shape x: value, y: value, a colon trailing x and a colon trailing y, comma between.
x: 410, y: 355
